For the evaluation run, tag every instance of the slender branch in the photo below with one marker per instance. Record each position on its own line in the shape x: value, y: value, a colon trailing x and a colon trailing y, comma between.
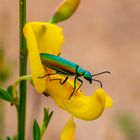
x: 22, y: 67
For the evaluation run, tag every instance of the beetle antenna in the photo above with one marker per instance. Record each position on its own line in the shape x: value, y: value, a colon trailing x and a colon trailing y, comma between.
x: 101, y: 73
x: 101, y: 85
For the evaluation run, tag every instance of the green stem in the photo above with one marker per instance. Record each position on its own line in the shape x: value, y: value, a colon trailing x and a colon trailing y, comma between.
x: 23, y: 78
x: 22, y: 67
x: 17, y: 82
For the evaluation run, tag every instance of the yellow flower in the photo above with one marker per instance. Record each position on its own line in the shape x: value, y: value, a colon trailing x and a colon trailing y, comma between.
x: 68, y: 132
x: 47, y: 38
x: 44, y: 37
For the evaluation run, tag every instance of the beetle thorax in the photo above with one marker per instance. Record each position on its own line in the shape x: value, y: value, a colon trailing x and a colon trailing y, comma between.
x: 87, y: 75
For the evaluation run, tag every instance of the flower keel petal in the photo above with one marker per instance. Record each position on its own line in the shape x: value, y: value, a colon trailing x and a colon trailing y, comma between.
x: 80, y: 106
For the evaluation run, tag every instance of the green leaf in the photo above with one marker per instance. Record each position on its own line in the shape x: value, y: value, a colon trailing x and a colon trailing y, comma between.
x: 10, y: 90
x: 5, y: 95
x: 36, y: 131
x: 47, y: 117
x: 46, y: 120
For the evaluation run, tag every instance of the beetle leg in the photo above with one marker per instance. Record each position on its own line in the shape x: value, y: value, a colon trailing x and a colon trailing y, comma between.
x: 76, y: 78
x: 59, y: 54
x: 74, y: 86
x: 80, y: 84
x: 61, y: 82
x: 47, y: 75
x: 64, y: 80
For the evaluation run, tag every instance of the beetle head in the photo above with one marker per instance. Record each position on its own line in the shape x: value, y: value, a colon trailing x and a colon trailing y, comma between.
x: 87, y: 75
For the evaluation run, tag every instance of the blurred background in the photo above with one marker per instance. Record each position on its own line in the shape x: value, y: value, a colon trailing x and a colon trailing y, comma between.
x: 101, y: 35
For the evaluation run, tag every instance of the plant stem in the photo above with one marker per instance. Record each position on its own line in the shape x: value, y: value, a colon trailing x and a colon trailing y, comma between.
x: 22, y: 68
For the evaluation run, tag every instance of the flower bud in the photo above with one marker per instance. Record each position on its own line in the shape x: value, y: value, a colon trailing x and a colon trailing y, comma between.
x: 64, y: 10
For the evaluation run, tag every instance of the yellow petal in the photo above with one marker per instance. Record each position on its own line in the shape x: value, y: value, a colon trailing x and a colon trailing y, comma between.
x: 68, y: 132
x: 49, y: 37
x: 65, y: 10
x: 109, y: 102
x: 80, y: 106
x: 41, y: 37
x: 37, y: 69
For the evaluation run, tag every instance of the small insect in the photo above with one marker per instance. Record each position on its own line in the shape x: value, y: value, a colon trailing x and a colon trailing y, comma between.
x: 68, y: 68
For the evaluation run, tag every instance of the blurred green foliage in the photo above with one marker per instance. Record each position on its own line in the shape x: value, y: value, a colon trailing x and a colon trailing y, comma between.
x: 129, y: 126
x: 4, y: 67
x: 5, y: 72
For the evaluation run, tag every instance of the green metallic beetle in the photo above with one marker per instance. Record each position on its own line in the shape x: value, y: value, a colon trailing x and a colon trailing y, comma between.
x: 68, y: 68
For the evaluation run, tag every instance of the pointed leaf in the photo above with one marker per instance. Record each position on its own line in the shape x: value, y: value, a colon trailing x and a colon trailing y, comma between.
x: 47, y: 117
x: 46, y: 120
x: 10, y: 90
x: 5, y: 95
x: 36, y: 131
